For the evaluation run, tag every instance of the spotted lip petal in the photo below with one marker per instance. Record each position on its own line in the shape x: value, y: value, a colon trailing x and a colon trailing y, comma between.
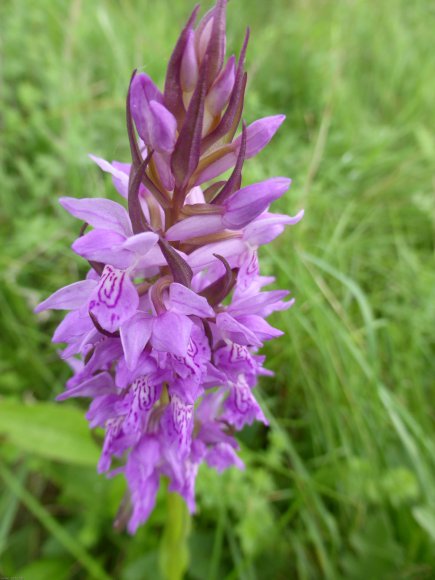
x: 115, y: 300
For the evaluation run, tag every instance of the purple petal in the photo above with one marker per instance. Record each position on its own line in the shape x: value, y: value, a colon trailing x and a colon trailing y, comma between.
x: 124, y: 376
x: 220, y: 92
x: 185, y: 476
x: 195, y: 195
x: 171, y: 333
x: 231, y: 117
x: 259, y: 134
x: 143, y: 480
x: 217, y: 43
x: 194, y: 226
x: 221, y: 456
x: 121, y: 176
x: 145, y: 392
x: 155, y: 124
x: 269, y: 226
x: 142, y: 243
x: 241, y: 408
x: 189, y: 71
x: 99, y: 213
x: 259, y: 326
x: 118, y: 172
x: 248, y: 203
x: 219, y: 162
x: 205, y: 256
x: 69, y: 297
x: 73, y: 326
x: 102, y: 246
x: 185, y: 301
x: 163, y: 164
x: 135, y: 333
x: 203, y: 33
x: 235, y: 331
x: 100, y: 410
x: 173, y: 94
x: 262, y: 303
x: 163, y: 128
x: 115, y: 300
x: 96, y: 386
x: 235, y: 359
x: 178, y: 424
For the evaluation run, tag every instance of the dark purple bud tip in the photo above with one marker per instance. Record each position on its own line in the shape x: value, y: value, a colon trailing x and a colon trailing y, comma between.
x: 185, y: 157
x: 180, y: 269
x: 216, y: 292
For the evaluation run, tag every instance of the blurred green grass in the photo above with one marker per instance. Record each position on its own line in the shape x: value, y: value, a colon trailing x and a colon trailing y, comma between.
x: 342, y: 485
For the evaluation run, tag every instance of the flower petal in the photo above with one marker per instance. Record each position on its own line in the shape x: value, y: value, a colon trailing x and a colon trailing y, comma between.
x: 102, y: 246
x: 220, y: 92
x: 69, y: 297
x: 204, y: 257
x: 155, y: 124
x: 235, y: 331
x: 115, y: 299
x: 143, y: 480
x: 96, y: 386
x: 171, y: 333
x: 241, y: 408
x: 178, y: 424
x: 221, y: 456
x: 99, y: 213
x: 118, y: 172
x: 135, y: 333
x: 194, y: 226
x: 163, y: 129
x: 142, y: 243
x: 258, y: 135
x: 75, y: 325
x: 248, y: 203
x: 262, y: 329
x: 269, y: 226
x: 182, y: 300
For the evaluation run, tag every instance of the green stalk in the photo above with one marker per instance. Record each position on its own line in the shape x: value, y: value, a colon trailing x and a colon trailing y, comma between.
x: 174, y: 550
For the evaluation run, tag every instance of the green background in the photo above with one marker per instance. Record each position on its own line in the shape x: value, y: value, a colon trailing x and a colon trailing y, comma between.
x: 343, y: 483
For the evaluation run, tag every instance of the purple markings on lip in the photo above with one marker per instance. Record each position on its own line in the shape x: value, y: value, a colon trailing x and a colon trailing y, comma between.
x: 114, y: 300
x: 110, y: 288
x: 243, y: 396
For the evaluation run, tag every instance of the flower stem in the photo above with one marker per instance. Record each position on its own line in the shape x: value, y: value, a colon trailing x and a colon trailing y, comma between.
x: 174, y: 552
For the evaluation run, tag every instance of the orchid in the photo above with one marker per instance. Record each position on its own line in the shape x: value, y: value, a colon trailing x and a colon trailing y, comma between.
x: 164, y: 332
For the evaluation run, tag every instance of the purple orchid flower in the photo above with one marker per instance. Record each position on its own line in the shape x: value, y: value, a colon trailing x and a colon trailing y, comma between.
x: 163, y: 333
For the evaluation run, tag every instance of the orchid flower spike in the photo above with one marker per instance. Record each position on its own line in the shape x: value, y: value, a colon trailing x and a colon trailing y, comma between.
x: 163, y: 333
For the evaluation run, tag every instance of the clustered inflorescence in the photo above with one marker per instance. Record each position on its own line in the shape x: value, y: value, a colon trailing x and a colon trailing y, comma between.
x: 164, y: 331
